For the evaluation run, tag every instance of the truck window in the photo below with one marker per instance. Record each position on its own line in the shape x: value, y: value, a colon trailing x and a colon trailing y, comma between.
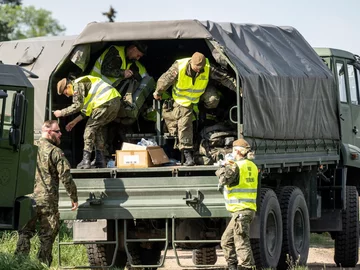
x: 354, y: 90
x: 341, y: 81
x: 5, y: 112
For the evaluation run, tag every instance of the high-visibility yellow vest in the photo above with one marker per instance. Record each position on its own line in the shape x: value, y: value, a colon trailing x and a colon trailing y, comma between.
x: 99, y: 93
x: 142, y: 69
x: 243, y: 195
x: 184, y: 92
x: 96, y: 71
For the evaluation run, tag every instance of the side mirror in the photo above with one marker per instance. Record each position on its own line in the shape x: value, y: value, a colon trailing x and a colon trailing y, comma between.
x: 17, y: 109
x: 17, y: 115
x: 3, y: 94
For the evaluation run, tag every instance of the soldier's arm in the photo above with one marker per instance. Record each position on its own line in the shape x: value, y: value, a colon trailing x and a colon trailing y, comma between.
x: 167, y: 79
x: 78, y: 100
x: 111, y: 65
x: 222, y: 77
x: 231, y: 174
x: 63, y: 169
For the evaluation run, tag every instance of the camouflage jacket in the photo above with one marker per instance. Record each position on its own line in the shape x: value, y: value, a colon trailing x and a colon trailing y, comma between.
x: 170, y: 77
x: 52, y: 167
x: 80, y: 91
x: 228, y: 175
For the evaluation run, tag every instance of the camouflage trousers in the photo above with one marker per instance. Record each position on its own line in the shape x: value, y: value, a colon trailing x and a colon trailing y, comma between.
x: 179, y: 123
x: 48, y: 230
x: 101, y: 116
x: 235, y: 240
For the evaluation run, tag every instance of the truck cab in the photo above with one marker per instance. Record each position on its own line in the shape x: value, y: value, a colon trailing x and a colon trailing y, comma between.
x: 345, y: 67
x: 17, y: 152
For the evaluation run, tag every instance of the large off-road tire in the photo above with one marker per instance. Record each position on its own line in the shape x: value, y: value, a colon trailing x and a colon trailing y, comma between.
x: 347, y: 241
x: 296, y: 227
x: 267, y: 248
x: 102, y: 255
x: 204, y: 256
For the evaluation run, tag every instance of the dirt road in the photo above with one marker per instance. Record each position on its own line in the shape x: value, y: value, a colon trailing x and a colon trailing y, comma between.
x: 319, y: 258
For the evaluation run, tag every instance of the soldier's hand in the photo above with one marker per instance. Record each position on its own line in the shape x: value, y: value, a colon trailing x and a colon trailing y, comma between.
x: 74, y: 205
x: 128, y: 73
x: 156, y: 96
x: 57, y: 113
x: 220, y: 187
x: 70, y: 126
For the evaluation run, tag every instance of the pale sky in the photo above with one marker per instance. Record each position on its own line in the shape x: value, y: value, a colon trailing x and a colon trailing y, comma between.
x: 323, y: 23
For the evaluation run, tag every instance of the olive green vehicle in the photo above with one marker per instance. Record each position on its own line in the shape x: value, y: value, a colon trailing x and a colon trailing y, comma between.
x: 17, y: 152
x: 298, y: 114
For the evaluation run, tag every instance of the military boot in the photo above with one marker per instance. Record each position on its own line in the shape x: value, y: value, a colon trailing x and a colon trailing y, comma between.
x: 99, y: 161
x: 232, y: 267
x: 189, y: 160
x: 85, y: 163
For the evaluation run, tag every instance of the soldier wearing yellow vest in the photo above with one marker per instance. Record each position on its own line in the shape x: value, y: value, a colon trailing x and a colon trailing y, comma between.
x: 117, y: 63
x: 95, y: 100
x: 239, y: 179
x: 189, y: 78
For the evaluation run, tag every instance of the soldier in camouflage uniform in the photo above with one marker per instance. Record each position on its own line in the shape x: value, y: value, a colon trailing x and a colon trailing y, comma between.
x: 189, y: 78
x: 97, y: 101
x: 239, y: 181
x: 52, y: 167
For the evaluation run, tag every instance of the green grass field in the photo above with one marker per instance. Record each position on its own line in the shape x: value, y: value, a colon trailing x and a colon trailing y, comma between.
x: 76, y: 254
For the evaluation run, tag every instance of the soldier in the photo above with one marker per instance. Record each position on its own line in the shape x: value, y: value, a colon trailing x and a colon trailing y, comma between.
x: 189, y: 78
x: 117, y: 63
x: 97, y: 100
x: 239, y: 180
x: 52, y: 167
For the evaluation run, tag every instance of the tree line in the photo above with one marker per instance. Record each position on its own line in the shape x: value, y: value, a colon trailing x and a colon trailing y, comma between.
x: 20, y: 22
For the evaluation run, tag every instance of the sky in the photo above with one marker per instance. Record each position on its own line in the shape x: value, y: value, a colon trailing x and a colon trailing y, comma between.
x: 323, y: 23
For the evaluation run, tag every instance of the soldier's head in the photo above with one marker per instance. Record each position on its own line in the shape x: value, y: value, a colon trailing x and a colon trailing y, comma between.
x: 65, y: 87
x: 241, y: 148
x: 51, y: 130
x: 136, y: 50
x: 197, y: 62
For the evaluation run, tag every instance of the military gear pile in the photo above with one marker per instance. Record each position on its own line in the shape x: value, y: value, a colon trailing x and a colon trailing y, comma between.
x: 216, y: 142
x: 134, y: 95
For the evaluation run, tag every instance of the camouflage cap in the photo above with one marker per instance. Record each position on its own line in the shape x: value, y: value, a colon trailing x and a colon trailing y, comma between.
x: 61, y: 85
x: 198, y: 59
x: 142, y: 47
x: 241, y: 143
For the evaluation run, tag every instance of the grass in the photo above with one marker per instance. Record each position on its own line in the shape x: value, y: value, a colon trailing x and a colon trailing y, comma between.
x: 70, y: 255
x: 76, y: 254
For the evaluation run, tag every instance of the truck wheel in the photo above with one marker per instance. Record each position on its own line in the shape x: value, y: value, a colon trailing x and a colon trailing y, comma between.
x: 296, y: 227
x: 203, y: 256
x: 347, y: 241
x: 267, y: 248
x: 101, y: 255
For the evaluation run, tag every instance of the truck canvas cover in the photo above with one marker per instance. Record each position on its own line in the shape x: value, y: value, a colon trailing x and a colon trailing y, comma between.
x: 288, y: 92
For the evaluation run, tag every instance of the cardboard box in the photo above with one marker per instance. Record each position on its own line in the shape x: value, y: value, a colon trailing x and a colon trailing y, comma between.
x: 137, y: 156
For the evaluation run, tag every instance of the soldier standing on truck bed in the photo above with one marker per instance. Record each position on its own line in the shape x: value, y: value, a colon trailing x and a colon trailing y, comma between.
x: 52, y: 167
x: 99, y: 102
x: 116, y: 63
x: 239, y: 179
x: 189, y: 78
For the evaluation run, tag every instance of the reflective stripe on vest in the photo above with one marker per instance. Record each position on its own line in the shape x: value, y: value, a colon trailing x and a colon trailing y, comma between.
x: 142, y: 69
x: 96, y: 71
x: 184, y: 92
x: 99, y: 93
x: 243, y: 195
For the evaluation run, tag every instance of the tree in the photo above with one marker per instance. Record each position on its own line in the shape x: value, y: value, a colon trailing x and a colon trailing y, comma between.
x: 18, y: 22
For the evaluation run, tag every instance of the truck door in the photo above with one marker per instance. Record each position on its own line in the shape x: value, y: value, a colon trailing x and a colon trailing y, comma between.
x: 353, y: 76
x: 345, y: 104
x: 9, y: 158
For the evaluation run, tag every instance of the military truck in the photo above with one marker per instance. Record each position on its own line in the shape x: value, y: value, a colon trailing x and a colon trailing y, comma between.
x: 17, y: 152
x: 290, y: 111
